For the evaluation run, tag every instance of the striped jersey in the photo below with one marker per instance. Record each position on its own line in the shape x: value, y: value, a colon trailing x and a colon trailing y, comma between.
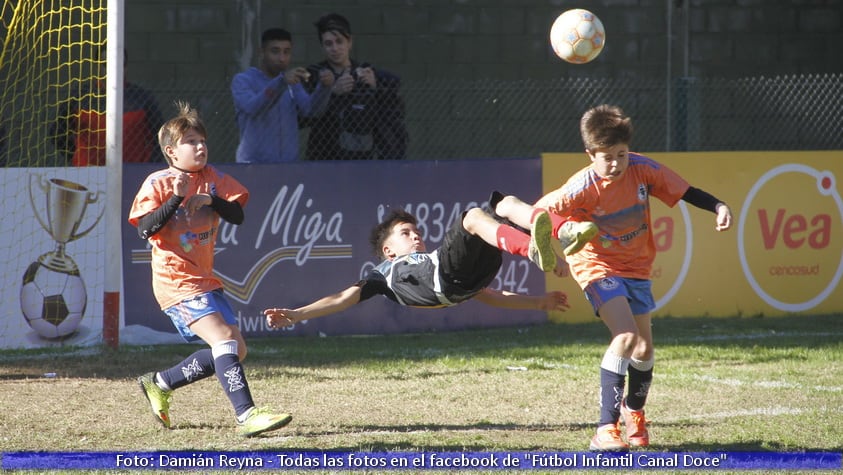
x: 413, y: 280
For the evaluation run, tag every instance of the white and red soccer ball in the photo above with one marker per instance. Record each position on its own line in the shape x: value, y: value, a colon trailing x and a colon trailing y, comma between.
x: 577, y: 36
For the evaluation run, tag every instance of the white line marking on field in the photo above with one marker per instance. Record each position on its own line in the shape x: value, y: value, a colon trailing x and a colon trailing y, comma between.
x: 759, y: 411
x: 757, y: 336
x: 766, y: 384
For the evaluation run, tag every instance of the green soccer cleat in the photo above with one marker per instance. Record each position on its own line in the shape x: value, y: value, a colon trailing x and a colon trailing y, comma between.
x: 260, y: 421
x: 541, y: 247
x: 158, y: 399
x: 574, y: 235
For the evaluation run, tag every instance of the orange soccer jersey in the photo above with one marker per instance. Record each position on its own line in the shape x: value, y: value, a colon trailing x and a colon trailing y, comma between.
x: 621, y: 210
x: 183, y: 250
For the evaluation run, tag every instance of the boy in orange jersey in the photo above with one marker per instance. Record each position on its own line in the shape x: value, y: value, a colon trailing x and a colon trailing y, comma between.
x: 178, y: 211
x: 614, y: 270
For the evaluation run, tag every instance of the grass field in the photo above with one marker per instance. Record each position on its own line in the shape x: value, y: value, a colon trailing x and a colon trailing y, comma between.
x: 737, y: 384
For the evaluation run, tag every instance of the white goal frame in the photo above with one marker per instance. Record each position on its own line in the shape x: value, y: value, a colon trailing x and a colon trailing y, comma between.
x: 112, y: 286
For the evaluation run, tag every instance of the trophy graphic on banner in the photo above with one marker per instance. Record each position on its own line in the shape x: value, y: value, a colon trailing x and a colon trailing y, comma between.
x: 53, y: 296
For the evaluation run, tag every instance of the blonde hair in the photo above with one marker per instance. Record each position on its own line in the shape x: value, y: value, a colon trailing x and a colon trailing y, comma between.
x: 174, y: 129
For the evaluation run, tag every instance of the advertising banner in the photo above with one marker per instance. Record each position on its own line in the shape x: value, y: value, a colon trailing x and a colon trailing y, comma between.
x: 307, y: 228
x: 306, y: 236
x: 51, y: 247
x: 783, y: 255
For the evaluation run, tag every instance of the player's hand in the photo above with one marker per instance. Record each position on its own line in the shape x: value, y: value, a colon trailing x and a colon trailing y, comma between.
x: 367, y: 76
x: 554, y: 301
x: 181, y: 184
x: 280, y: 317
x: 724, y: 217
x: 343, y: 85
x: 561, y: 269
x: 197, y: 201
x: 326, y: 77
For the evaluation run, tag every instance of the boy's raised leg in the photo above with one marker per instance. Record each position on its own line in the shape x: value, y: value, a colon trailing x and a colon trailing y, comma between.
x: 573, y: 236
x: 541, y: 237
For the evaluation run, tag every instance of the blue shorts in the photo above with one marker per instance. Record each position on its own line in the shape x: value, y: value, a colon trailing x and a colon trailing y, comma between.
x: 638, y: 292
x: 184, y: 313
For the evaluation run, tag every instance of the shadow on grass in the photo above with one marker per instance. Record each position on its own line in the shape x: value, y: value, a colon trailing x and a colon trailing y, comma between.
x: 433, y: 428
x: 749, y: 446
x: 271, y: 355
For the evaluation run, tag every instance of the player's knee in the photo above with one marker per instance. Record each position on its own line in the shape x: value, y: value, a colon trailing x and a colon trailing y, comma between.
x: 504, y: 205
x: 471, y: 219
x: 643, y: 351
x: 626, y: 341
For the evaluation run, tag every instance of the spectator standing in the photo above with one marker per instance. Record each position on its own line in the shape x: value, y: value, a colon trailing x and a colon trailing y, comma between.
x: 365, y: 115
x: 269, y: 99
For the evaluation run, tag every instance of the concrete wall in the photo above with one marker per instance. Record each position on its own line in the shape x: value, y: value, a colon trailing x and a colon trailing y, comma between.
x: 190, y: 49
x: 501, y: 39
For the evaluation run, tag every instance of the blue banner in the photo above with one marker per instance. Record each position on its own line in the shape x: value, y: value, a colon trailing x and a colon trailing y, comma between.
x: 306, y: 236
x: 336, y: 460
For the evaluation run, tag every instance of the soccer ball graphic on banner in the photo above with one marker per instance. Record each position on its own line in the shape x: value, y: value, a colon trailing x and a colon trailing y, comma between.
x: 577, y: 36
x: 53, y: 302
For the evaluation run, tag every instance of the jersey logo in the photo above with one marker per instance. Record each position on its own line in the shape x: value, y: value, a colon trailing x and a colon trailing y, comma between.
x: 642, y: 192
x: 415, y: 258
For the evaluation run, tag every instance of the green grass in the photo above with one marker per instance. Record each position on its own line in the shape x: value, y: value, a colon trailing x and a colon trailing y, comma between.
x: 737, y: 384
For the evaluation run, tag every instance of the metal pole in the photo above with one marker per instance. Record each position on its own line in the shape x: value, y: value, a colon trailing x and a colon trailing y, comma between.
x: 668, y: 102
x: 114, y: 170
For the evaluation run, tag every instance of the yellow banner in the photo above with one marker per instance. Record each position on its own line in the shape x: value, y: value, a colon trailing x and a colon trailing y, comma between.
x: 783, y: 255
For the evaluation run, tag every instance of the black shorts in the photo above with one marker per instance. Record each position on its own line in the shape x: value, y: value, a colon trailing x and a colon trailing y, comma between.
x: 467, y: 261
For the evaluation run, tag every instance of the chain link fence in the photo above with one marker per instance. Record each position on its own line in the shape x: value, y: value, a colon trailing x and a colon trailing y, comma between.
x: 450, y: 120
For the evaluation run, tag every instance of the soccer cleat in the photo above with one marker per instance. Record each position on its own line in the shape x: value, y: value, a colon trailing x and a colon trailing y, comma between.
x: 636, y: 426
x: 574, y: 235
x: 260, y: 421
x: 495, y: 198
x: 608, y: 439
x: 158, y: 399
x: 541, y: 250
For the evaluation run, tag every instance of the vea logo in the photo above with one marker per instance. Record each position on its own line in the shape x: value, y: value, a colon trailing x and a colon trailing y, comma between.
x: 786, y: 237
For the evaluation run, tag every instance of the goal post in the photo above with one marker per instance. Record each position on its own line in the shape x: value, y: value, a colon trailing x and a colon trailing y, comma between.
x: 114, y: 175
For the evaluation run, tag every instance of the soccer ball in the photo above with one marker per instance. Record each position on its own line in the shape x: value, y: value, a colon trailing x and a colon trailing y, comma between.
x: 577, y: 36
x: 52, y: 302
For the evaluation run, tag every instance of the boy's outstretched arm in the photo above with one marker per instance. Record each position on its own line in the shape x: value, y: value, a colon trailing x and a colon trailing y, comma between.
x: 281, y: 317
x: 704, y: 200
x: 555, y: 300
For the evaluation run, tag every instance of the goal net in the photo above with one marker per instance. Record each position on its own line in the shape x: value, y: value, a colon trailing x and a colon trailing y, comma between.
x: 52, y: 117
